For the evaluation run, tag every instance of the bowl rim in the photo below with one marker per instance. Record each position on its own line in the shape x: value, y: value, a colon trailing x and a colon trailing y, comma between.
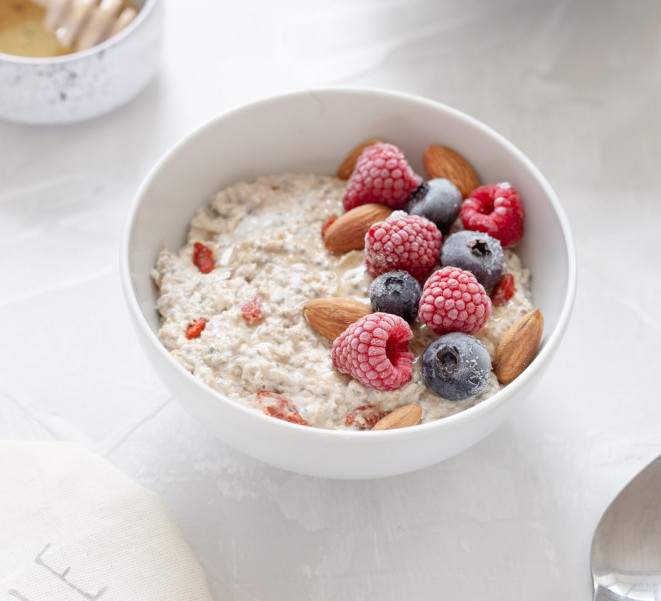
x: 40, y: 61
x: 358, y: 437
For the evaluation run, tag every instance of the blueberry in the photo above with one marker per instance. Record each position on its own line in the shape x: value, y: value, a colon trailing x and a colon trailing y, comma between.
x: 476, y: 252
x: 439, y: 200
x: 396, y: 292
x: 456, y: 366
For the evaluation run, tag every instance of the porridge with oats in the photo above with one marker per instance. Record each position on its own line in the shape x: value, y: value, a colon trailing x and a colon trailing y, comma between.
x: 232, y: 304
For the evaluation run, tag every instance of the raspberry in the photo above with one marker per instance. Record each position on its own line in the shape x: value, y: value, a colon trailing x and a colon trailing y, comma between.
x: 503, y: 290
x: 454, y: 301
x: 374, y: 350
x: 402, y: 243
x: 496, y: 210
x: 381, y: 175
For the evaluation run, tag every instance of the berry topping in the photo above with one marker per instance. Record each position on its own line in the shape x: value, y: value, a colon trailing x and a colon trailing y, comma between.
x: 195, y: 329
x: 454, y: 301
x: 381, y: 175
x: 439, y: 200
x: 330, y: 221
x: 363, y: 417
x: 496, y: 210
x: 503, y: 291
x: 374, y: 350
x: 276, y: 405
x: 456, y: 366
x: 402, y: 242
x: 203, y: 257
x: 476, y: 252
x: 251, y: 311
x: 396, y: 292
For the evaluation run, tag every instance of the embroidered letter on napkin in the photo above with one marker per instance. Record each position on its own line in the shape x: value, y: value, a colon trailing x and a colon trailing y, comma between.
x: 74, y: 528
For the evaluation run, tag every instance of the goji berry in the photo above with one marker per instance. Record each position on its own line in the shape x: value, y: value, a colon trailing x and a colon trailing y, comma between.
x: 278, y: 406
x: 503, y: 290
x: 203, y: 257
x: 195, y: 329
x: 363, y: 417
x: 251, y: 311
x: 331, y: 220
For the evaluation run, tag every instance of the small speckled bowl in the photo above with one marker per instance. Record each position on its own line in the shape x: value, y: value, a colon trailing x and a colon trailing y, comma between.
x: 84, y: 84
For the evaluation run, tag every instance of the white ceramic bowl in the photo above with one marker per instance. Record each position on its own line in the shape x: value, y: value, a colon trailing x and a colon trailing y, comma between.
x: 312, y: 131
x: 86, y: 84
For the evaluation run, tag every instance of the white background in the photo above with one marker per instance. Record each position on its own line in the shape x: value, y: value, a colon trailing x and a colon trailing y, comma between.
x: 575, y: 84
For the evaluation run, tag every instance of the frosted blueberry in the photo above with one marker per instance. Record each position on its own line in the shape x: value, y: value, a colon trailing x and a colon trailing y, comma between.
x: 396, y: 292
x: 456, y: 366
x: 476, y: 252
x: 439, y: 200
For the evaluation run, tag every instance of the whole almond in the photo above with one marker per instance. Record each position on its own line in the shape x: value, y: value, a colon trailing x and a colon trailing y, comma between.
x: 518, y: 346
x: 331, y: 316
x: 346, y: 168
x: 348, y: 231
x: 441, y: 161
x: 402, y: 417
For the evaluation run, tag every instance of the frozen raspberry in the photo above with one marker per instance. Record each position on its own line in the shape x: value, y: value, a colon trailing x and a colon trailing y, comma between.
x: 503, y: 291
x: 496, y: 210
x: 454, y: 301
x: 402, y: 242
x: 381, y: 175
x: 374, y: 350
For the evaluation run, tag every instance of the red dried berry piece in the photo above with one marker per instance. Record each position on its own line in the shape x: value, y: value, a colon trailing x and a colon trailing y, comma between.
x: 381, y: 175
x: 278, y: 406
x: 503, y: 290
x: 203, y: 257
x: 363, y: 417
x: 374, y: 350
x: 454, y: 301
x: 251, y: 311
x: 195, y: 329
x: 496, y: 210
x: 402, y: 242
x: 331, y: 220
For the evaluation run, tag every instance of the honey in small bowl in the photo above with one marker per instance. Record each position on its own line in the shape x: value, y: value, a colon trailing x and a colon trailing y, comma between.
x: 22, y: 31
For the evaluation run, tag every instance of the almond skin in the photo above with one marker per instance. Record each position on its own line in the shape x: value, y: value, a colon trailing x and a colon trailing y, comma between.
x: 348, y: 231
x: 331, y: 316
x: 441, y: 161
x: 402, y: 417
x: 348, y: 164
x: 518, y: 346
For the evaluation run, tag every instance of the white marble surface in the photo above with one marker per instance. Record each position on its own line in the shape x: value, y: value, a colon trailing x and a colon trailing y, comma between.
x: 574, y: 84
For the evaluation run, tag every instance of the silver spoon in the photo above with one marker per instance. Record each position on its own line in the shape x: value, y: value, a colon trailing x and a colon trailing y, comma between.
x: 626, y: 548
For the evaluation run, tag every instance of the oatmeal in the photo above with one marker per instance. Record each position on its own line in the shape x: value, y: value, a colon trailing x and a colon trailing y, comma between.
x: 266, y: 239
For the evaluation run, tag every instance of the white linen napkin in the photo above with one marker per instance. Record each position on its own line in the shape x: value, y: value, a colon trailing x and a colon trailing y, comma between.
x: 74, y: 528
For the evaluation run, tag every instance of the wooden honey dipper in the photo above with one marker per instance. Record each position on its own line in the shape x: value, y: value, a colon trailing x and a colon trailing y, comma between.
x: 86, y: 23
